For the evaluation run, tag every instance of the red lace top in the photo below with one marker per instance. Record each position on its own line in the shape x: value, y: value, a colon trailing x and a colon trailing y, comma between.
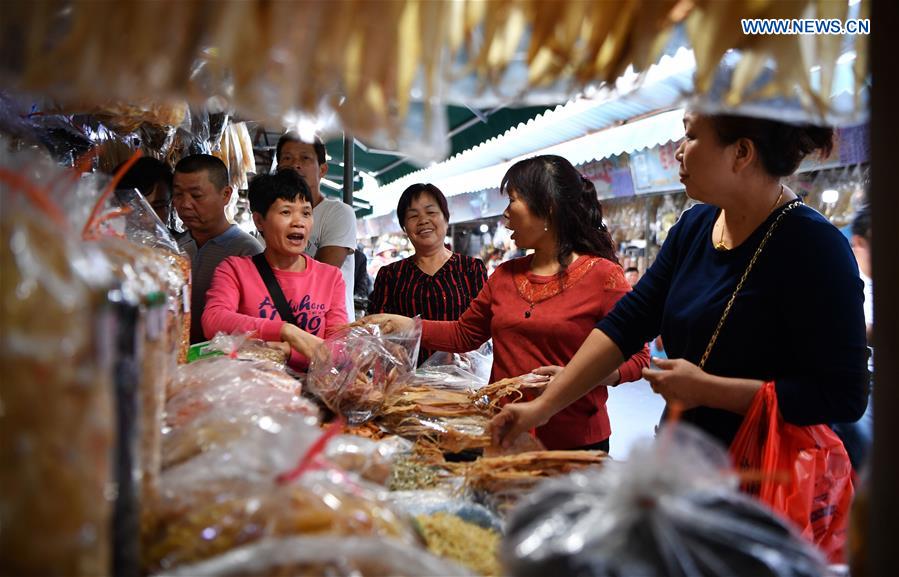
x: 543, y: 320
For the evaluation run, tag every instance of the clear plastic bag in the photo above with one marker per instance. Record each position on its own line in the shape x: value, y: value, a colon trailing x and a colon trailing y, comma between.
x: 245, y: 430
x: 324, y: 555
x: 200, y: 520
x: 247, y: 348
x: 672, y: 509
x: 449, y: 434
x: 220, y: 401
x: 444, y: 416
x: 57, y: 422
x: 372, y: 460
x: 431, y: 501
x: 353, y: 371
x: 125, y: 215
x: 472, y: 367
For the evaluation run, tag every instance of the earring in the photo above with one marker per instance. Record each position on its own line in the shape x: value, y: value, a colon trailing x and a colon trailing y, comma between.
x: 545, y: 226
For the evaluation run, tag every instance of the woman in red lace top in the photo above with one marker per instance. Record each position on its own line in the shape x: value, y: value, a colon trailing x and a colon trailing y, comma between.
x: 539, y: 308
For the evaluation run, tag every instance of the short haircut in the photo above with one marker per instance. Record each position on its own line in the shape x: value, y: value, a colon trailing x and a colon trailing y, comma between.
x: 316, y: 143
x: 412, y: 193
x: 632, y: 269
x: 861, y: 222
x: 218, y: 172
x: 265, y: 189
x: 146, y: 174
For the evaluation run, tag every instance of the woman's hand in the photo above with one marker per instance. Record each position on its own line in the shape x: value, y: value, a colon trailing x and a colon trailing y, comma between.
x: 679, y: 381
x: 302, y: 342
x: 279, y: 346
x: 549, y: 371
x: 515, y: 419
x: 390, y: 323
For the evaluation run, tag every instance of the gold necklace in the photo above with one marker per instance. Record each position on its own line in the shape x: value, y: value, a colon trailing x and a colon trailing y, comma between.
x: 720, y: 244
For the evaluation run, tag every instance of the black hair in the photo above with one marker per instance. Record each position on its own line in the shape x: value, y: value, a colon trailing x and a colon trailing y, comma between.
x: 412, y: 193
x: 781, y: 146
x: 554, y: 190
x: 218, y: 172
x: 632, y: 269
x: 146, y: 174
x: 316, y: 143
x: 861, y: 222
x: 265, y: 189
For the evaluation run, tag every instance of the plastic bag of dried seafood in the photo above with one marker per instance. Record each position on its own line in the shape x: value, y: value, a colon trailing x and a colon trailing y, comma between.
x: 218, y: 370
x: 57, y: 421
x: 672, y: 509
x: 93, y: 206
x: 450, y: 434
x: 354, y: 369
x: 153, y: 271
x: 247, y: 348
x: 372, y: 460
x: 324, y: 555
x: 432, y: 501
x: 469, y: 370
x: 501, y: 480
x: 220, y: 401
x: 203, y: 515
x: 127, y: 213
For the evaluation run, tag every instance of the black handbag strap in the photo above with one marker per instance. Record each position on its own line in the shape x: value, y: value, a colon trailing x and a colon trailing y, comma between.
x: 274, y: 289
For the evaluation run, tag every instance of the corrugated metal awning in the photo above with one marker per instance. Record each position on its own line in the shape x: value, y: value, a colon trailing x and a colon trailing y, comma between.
x: 631, y: 96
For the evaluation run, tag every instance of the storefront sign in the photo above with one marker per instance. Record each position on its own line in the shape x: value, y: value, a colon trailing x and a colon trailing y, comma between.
x: 610, y: 176
x: 476, y: 205
x: 377, y: 225
x: 655, y: 169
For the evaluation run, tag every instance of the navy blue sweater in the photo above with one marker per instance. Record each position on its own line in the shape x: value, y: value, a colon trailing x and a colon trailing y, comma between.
x: 798, y: 320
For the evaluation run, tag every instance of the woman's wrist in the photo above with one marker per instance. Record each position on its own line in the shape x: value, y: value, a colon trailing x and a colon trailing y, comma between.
x: 731, y: 394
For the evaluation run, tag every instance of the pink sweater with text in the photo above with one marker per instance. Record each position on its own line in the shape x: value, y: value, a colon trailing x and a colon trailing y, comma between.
x: 238, y: 301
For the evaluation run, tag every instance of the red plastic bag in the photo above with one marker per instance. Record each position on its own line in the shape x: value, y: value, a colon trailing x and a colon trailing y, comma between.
x: 806, y: 475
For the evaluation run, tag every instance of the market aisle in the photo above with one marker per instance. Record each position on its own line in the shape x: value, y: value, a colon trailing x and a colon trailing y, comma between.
x: 634, y: 411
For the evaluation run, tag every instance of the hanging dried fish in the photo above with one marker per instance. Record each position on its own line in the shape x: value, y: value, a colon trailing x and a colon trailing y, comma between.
x: 361, y: 58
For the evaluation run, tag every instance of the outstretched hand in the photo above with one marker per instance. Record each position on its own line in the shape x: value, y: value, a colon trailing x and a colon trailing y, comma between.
x: 304, y: 343
x: 513, y: 420
x: 390, y: 323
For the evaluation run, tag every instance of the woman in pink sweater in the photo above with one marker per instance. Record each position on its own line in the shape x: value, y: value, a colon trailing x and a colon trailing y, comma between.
x: 540, y: 308
x: 239, y: 301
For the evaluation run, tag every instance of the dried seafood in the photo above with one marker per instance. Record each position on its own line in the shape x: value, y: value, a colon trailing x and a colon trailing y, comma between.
x: 486, y: 472
x: 507, y: 478
x: 375, y: 50
x: 58, y: 422
x: 367, y: 430
x: 447, y: 418
x: 353, y: 371
x: 450, y: 537
x: 222, y: 515
x: 411, y: 473
x: 510, y: 390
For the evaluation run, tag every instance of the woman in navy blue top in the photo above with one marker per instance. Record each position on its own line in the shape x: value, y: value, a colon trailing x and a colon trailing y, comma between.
x: 798, y: 320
